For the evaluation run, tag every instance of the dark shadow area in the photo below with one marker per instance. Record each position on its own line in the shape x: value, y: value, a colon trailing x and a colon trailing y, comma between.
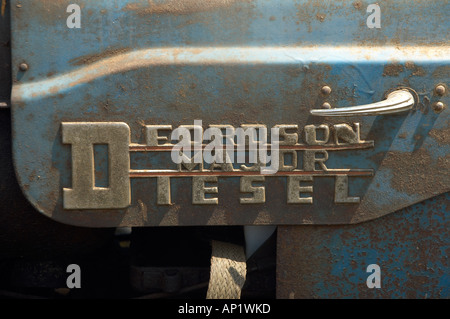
x: 5, y: 56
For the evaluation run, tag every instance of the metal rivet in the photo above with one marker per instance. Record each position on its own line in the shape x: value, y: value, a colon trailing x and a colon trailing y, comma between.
x: 438, y: 107
x: 326, y: 105
x: 326, y: 90
x: 440, y: 90
x: 23, y: 67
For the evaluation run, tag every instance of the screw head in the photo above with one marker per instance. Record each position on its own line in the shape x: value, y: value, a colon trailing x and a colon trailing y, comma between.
x: 23, y: 67
x: 325, y: 90
x: 440, y: 89
x: 438, y: 107
x: 326, y: 105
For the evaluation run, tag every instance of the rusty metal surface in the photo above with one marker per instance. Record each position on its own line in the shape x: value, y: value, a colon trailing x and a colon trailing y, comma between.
x: 231, y: 63
x: 411, y: 247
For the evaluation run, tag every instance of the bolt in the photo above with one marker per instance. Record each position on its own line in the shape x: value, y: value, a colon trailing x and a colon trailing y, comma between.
x: 23, y: 67
x: 440, y: 90
x: 438, y: 107
x: 326, y: 105
x: 326, y: 90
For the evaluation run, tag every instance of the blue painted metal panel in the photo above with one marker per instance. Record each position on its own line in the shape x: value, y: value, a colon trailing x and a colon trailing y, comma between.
x: 230, y: 62
x: 411, y: 248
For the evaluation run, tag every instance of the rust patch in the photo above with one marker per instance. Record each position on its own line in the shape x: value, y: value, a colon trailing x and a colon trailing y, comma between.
x: 291, y: 271
x: 91, y: 58
x: 320, y: 17
x: 393, y: 69
x: 416, y: 70
x: 307, y: 258
x: 441, y: 136
x: 179, y: 7
x: 418, y: 172
x: 357, y: 5
x: 442, y: 71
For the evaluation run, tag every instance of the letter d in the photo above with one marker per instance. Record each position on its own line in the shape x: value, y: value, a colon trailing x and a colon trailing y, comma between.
x: 266, y: 308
